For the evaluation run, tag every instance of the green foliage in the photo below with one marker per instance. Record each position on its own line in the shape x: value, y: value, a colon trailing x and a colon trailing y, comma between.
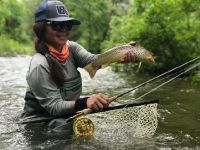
x: 18, y: 17
x: 169, y: 28
x: 9, y: 47
x: 94, y: 16
x: 13, y: 36
x: 196, y: 76
x: 12, y: 13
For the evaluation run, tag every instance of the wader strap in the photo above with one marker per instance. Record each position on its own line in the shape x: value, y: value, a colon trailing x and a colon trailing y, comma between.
x: 73, y: 87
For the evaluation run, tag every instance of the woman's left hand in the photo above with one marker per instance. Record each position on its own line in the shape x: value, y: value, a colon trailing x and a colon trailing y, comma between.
x: 130, y: 57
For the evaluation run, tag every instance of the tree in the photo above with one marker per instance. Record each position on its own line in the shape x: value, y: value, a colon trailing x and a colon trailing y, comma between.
x: 166, y: 28
x: 94, y: 16
x: 12, y: 31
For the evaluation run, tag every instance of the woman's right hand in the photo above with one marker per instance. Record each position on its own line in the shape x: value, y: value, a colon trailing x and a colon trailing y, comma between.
x: 98, y: 102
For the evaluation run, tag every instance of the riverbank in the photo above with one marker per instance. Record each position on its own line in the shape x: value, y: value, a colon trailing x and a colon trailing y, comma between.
x: 16, y: 51
x: 10, y: 47
x: 193, y: 77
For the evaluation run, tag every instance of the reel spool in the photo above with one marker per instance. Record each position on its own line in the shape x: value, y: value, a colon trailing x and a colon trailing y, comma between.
x: 83, y: 126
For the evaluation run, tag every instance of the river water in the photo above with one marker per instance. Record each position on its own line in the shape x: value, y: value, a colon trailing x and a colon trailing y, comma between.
x: 178, y: 111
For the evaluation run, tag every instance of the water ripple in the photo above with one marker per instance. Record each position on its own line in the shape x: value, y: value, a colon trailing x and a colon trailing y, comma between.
x: 179, y: 119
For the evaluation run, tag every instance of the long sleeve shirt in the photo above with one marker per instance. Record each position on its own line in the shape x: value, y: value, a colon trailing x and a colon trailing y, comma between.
x: 43, y: 97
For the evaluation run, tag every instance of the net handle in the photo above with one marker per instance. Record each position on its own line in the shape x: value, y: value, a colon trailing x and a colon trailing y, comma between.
x: 87, y: 110
x: 133, y: 104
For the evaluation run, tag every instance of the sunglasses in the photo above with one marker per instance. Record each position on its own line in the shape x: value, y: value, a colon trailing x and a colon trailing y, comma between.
x: 58, y: 26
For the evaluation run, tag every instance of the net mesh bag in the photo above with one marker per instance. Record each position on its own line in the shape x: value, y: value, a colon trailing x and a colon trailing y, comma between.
x: 137, y: 121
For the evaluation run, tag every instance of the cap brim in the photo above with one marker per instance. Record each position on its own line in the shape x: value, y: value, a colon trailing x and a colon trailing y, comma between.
x: 67, y: 19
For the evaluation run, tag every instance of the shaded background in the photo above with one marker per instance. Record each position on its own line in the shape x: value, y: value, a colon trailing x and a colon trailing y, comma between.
x: 168, y: 28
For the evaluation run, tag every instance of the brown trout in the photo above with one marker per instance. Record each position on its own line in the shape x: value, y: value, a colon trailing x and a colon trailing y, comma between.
x: 117, y: 55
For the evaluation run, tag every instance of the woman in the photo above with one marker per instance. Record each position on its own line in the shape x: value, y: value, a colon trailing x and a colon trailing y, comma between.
x: 54, y: 83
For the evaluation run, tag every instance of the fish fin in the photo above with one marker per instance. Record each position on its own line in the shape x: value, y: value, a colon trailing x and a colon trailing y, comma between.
x: 154, y: 57
x: 132, y: 43
x: 120, y: 44
x: 149, y: 57
x: 104, y: 66
x: 139, y: 66
x: 122, y: 59
x: 91, y: 70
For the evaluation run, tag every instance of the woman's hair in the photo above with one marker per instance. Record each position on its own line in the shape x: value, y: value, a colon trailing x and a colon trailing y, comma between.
x: 56, y: 71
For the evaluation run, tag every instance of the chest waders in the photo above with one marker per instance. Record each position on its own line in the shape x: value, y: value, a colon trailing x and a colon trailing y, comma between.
x: 82, y: 126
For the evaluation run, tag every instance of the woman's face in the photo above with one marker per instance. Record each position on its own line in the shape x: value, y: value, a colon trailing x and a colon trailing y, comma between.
x: 56, y: 36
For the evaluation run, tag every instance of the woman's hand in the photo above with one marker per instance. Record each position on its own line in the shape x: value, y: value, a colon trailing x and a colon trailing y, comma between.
x: 98, y: 102
x: 130, y: 57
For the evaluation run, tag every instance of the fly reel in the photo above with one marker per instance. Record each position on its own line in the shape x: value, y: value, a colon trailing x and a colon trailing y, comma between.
x: 83, y: 126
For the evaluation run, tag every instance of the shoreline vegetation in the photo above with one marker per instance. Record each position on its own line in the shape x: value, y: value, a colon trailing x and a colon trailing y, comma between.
x: 169, y: 29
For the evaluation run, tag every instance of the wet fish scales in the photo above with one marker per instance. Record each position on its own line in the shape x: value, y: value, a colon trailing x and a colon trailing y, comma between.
x: 116, y: 55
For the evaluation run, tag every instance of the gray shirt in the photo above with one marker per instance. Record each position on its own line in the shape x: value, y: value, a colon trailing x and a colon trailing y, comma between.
x: 43, y: 97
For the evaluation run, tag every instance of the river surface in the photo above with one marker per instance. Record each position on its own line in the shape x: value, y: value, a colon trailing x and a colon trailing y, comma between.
x: 178, y: 112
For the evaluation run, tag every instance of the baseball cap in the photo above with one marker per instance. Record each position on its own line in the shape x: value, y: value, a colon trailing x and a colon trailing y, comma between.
x: 53, y: 10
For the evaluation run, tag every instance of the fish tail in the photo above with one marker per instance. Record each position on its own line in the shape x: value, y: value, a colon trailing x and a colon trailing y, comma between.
x: 91, y: 69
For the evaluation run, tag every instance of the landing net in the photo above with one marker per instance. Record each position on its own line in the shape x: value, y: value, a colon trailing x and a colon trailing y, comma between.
x: 135, y: 121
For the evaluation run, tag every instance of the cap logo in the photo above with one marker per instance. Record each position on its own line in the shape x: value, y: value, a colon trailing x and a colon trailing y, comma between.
x: 61, y: 9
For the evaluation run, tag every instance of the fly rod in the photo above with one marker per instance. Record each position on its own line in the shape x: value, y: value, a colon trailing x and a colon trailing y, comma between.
x: 111, y: 99
x: 89, y: 110
x: 163, y: 74
x: 187, y: 70
x: 132, y: 104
